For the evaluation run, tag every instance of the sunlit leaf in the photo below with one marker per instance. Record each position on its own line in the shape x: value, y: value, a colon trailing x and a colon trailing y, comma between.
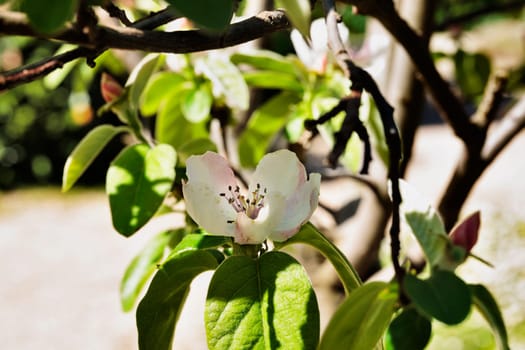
x: 159, y: 310
x: 443, y: 296
x: 273, y: 80
x: 425, y: 223
x: 361, y: 320
x: 140, y: 76
x: 265, y: 60
x: 227, y: 80
x: 211, y: 14
x: 172, y: 128
x: 263, y: 303
x: 309, y: 234
x: 137, y: 182
x: 488, y: 307
x: 86, y: 151
x: 160, y: 87
x: 197, y: 103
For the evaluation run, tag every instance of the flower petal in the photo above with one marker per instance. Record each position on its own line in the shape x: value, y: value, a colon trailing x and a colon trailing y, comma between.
x: 209, y: 210
x: 212, y: 169
x: 208, y: 176
x: 279, y: 171
x: 254, y: 231
x: 298, y: 209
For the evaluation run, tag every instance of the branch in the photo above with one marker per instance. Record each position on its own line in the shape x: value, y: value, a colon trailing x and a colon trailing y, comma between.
x: 449, y: 105
x: 512, y: 124
x: 362, y: 80
x: 126, y: 38
x: 137, y: 37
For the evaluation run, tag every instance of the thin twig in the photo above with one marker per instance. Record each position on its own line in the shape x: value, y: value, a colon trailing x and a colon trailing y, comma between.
x: 362, y: 80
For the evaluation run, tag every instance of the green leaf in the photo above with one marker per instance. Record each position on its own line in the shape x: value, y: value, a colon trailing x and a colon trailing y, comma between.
x: 86, y: 151
x: 425, y: 223
x: 443, y: 296
x: 159, y: 88
x: 194, y: 147
x: 172, y: 128
x: 211, y: 14
x: 197, y: 103
x: 226, y: 79
x: 159, y: 310
x: 409, y: 330
x: 299, y: 12
x: 137, y: 182
x: 48, y: 16
x: 139, y: 77
x: 141, y: 268
x: 309, y: 234
x: 263, y: 126
x: 200, y: 241
x: 488, y: 307
x: 362, y: 318
x: 265, y: 60
x: 264, y: 303
x: 273, y: 80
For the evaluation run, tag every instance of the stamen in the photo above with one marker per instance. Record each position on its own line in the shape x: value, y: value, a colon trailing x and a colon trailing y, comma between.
x: 251, y: 206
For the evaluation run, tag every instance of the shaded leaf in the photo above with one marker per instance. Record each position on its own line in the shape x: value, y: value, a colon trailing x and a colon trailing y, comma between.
x: 263, y: 126
x: 443, y: 296
x: 309, y: 234
x: 488, y: 307
x: 264, y: 303
x: 86, y: 151
x: 48, y: 16
x: 361, y: 319
x: 137, y: 182
x: 141, y: 268
x: 409, y: 330
x: 159, y: 310
x: 211, y: 14
x: 195, y: 147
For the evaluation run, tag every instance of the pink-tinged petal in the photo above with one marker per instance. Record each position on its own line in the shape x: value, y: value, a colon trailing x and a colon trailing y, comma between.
x: 208, y: 176
x: 279, y: 171
x: 466, y: 233
x: 209, y: 210
x: 298, y: 210
x: 255, y: 231
x: 212, y: 169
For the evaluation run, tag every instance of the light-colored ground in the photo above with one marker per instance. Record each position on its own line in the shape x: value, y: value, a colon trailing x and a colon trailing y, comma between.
x: 61, y: 261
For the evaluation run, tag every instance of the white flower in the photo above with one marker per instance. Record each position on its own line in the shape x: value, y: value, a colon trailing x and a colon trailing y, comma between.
x: 280, y: 200
x: 314, y: 54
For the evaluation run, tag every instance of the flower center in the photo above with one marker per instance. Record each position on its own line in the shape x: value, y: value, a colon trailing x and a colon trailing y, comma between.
x: 250, y: 205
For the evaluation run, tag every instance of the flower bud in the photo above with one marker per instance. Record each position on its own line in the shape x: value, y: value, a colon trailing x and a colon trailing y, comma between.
x: 110, y: 88
x: 466, y: 233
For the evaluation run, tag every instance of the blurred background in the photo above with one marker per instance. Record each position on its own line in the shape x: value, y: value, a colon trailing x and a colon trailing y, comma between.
x: 61, y: 261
